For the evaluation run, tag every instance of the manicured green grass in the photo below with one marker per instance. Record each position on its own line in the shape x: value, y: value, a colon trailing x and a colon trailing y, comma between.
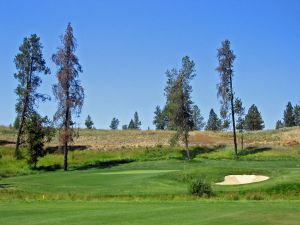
x: 162, y: 179
x: 152, y: 213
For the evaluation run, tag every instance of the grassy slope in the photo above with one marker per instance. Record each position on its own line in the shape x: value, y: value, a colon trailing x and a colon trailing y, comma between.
x: 108, y: 139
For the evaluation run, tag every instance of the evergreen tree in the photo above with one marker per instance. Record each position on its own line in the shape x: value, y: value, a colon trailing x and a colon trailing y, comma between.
x: 253, y: 119
x: 240, y: 112
x: 136, y: 122
x: 131, y: 125
x: 289, y: 117
x: 68, y: 91
x: 38, y: 132
x: 225, y: 87
x: 124, y: 127
x: 198, y: 120
x: 213, y: 123
x: 16, y: 124
x: 297, y: 115
x: 159, y: 120
x: 279, y: 124
x: 179, y: 104
x: 88, y: 122
x: 29, y: 63
x: 114, y: 124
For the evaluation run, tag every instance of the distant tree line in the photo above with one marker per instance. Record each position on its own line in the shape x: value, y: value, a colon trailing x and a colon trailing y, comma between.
x: 291, y: 117
x: 134, y: 124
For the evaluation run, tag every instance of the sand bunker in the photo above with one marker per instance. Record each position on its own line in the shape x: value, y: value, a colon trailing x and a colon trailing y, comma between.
x: 242, y: 179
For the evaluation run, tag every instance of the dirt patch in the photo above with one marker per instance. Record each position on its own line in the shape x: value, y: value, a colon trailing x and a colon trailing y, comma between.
x: 208, y: 138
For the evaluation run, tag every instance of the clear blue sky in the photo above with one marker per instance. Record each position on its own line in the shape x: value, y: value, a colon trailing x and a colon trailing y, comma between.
x: 125, y: 47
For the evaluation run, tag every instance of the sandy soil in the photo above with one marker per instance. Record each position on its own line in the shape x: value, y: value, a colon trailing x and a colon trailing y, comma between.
x: 242, y: 179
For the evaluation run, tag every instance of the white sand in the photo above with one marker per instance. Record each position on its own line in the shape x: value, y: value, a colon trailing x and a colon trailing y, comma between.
x: 242, y: 179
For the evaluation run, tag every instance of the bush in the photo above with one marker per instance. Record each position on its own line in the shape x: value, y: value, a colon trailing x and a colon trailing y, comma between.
x: 200, y: 188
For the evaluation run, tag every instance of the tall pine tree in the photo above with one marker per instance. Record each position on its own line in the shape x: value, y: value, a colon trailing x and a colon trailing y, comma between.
x: 213, y: 122
x: 30, y: 64
x: 198, y: 120
x: 136, y: 121
x: 179, y: 104
x: 114, y: 124
x: 226, y: 58
x: 68, y: 91
x: 279, y: 124
x: 159, y: 120
x: 88, y: 122
x: 131, y: 125
x: 297, y: 115
x: 289, y: 116
x: 253, y: 119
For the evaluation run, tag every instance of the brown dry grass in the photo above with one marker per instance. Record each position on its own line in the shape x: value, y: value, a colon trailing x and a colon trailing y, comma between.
x: 116, y: 139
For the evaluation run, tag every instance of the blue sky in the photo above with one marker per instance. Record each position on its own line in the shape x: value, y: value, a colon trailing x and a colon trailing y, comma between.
x: 125, y: 47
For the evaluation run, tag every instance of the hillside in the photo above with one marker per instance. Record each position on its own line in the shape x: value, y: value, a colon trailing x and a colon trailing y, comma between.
x: 116, y: 139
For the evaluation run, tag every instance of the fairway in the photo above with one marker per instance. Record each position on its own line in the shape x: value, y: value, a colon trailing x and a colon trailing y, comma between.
x: 150, y: 113
x: 138, y: 172
x: 159, y: 179
x: 150, y: 213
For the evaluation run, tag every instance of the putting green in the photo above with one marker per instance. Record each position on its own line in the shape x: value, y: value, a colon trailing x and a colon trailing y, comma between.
x: 137, y: 172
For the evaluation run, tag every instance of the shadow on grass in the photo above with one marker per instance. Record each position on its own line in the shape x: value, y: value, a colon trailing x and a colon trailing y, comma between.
x: 97, y: 164
x: 3, y: 186
x: 202, y: 149
x: 4, y: 142
x: 103, y: 165
x: 253, y: 150
x: 58, y: 149
x: 49, y: 168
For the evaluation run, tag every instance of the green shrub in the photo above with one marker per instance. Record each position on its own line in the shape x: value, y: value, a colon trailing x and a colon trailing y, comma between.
x: 200, y: 188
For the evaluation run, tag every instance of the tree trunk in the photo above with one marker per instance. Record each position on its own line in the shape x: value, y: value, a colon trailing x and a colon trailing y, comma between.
x: 66, y: 133
x: 233, y: 119
x: 17, y: 150
x: 242, y: 141
x: 20, y: 131
x: 66, y: 156
x: 28, y: 87
x: 187, y: 146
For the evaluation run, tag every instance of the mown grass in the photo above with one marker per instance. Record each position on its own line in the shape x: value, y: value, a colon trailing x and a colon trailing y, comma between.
x: 152, y: 213
x: 139, y: 179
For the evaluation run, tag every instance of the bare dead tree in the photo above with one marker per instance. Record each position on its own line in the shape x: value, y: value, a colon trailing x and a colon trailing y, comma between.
x: 68, y: 91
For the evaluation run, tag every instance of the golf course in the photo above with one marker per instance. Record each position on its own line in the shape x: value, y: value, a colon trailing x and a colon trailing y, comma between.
x: 150, y: 112
x: 150, y: 185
